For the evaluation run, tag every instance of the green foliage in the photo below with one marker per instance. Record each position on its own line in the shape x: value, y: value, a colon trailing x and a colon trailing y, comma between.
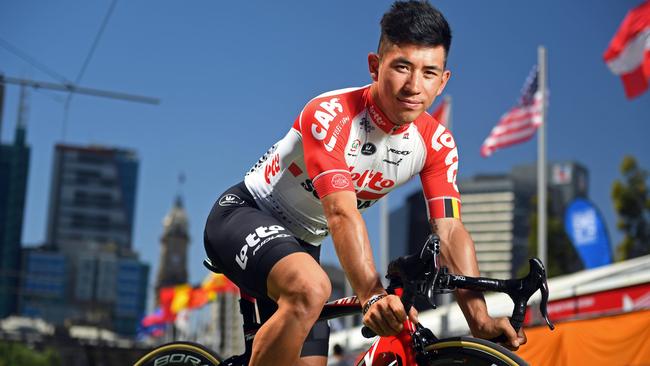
x: 561, y: 256
x: 12, y: 354
x: 632, y: 204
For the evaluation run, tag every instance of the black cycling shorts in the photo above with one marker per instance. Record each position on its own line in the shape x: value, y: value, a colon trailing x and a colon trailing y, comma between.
x: 245, y: 243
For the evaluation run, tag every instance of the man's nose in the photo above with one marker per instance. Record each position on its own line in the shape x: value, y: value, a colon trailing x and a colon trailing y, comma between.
x: 413, y: 84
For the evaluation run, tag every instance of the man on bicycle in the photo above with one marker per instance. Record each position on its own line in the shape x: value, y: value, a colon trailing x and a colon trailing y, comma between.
x: 346, y: 149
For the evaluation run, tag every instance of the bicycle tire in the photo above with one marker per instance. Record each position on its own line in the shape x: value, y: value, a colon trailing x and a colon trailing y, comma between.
x: 470, y: 351
x: 179, y: 353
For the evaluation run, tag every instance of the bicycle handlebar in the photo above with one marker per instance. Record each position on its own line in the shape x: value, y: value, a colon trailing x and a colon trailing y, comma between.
x: 420, y: 275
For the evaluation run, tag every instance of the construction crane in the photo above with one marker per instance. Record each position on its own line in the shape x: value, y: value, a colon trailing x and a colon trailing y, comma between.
x: 69, y: 88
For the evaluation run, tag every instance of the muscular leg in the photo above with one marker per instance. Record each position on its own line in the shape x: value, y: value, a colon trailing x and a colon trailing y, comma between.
x: 300, y: 288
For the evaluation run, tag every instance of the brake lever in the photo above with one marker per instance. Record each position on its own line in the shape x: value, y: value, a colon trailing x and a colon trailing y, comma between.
x: 538, y: 275
x: 543, y: 304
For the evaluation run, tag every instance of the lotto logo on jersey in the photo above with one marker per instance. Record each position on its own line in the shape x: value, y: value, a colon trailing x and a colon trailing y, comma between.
x: 444, y: 139
x: 372, y: 180
x: 323, y: 118
x: 272, y: 168
x: 256, y: 240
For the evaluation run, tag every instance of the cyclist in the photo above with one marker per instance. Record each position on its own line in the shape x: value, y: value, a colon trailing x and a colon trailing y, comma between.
x: 346, y: 149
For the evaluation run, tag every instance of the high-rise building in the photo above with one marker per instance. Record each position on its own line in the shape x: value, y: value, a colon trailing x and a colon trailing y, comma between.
x: 14, y: 165
x: 567, y: 180
x: 174, y: 243
x: 130, y: 295
x: 89, y: 230
x: 495, y: 211
x: 44, y: 289
x: 92, y: 197
x: 409, y: 227
x: 104, y: 290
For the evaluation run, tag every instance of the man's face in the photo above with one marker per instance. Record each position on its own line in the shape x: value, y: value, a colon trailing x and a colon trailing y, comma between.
x: 407, y: 79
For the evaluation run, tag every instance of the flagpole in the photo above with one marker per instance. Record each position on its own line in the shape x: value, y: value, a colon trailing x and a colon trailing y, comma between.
x: 541, y: 161
x: 383, y: 238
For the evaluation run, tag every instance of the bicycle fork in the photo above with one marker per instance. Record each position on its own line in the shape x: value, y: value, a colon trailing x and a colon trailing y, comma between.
x: 392, y: 350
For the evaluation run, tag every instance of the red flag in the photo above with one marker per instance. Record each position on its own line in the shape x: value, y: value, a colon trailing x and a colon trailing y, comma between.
x: 153, y: 319
x: 628, y: 54
x: 441, y: 114
x: 519, y: 123
x: 166, y: 296
x: 218, y: 283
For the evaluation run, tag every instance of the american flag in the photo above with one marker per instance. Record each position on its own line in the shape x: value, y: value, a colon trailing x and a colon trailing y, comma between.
x: 519, y: 123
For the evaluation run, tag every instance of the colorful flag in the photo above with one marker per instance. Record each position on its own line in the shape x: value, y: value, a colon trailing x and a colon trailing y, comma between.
x: 628, y: 54
x: 175, y: 299
x: 218, y: 283
x: 441, y: 114
x: 519, y: 123
x: 181, y: 299
x: 166, y: 297
x: 155, y: 318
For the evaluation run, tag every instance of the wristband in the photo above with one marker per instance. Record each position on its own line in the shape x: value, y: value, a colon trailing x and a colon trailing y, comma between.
x: 372, y: 300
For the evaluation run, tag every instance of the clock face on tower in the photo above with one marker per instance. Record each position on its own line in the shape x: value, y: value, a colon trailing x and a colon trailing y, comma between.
x: 174, y: 244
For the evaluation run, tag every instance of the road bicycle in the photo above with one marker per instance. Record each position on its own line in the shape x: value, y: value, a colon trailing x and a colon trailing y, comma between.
x: 410, y: 276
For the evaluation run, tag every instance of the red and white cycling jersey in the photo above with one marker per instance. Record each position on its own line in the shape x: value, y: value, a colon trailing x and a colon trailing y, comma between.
x: 342, y: 141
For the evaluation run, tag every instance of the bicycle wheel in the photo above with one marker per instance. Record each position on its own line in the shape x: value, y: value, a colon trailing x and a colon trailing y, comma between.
x: 470, y: 351
x: 179, y: 353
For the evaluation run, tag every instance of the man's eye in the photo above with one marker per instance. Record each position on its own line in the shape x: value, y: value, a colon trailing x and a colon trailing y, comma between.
x: 401, y: 68
x: 430, y: 74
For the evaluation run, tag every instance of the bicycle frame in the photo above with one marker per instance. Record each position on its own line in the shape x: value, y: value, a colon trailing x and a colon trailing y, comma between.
x: 388, y: 349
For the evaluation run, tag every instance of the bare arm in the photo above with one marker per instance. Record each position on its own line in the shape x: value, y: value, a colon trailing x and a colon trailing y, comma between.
x: 351, y: 242
x: 353, y: 249
x: 458, y: 254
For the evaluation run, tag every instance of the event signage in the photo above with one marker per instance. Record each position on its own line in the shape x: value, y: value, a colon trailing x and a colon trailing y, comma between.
x: 586, y: 228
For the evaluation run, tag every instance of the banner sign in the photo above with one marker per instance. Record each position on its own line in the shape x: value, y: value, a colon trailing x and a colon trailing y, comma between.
x: 614, y: 301
x: 586, y: 228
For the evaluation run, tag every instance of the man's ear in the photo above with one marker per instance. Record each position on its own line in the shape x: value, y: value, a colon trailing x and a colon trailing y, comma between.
x: 373, y: 65
x: 445, y: 78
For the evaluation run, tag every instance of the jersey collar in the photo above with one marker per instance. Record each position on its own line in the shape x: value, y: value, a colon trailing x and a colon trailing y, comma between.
x: 380, y: 119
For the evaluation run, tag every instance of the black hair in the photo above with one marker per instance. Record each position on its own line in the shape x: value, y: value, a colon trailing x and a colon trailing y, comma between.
x: 414, y: 22
x: 338, y: 350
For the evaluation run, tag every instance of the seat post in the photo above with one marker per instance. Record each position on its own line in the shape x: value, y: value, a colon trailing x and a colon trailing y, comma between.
x: 247, y: 308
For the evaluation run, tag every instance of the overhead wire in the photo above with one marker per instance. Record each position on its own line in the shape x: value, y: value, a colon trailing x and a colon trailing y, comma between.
x: 32, y: 61
x: 91, y: 52
x: 8, y: 46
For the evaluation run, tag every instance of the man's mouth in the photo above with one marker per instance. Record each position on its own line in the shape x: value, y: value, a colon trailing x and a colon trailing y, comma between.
x: 410, y: 103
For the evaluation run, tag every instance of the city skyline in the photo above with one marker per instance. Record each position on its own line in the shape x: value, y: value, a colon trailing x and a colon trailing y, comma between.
x: 232, y: 77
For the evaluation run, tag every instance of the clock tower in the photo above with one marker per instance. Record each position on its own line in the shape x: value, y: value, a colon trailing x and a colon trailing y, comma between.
x: 174, y: 241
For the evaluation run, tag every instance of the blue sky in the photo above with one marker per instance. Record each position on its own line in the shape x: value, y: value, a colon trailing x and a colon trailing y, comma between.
x: 232, y: 76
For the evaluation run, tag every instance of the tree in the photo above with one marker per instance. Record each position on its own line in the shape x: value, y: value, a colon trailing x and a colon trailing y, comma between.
x: 561, y: 256
x: 18, y: 354
x: 632, y: 204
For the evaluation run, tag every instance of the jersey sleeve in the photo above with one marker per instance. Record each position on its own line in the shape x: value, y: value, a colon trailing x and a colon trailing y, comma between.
x: 439, y: 173
x: 325, y: 127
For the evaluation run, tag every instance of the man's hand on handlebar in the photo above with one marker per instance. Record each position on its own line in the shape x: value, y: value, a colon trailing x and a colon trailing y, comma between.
x: 386, y: 316
x: 491, y: 328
